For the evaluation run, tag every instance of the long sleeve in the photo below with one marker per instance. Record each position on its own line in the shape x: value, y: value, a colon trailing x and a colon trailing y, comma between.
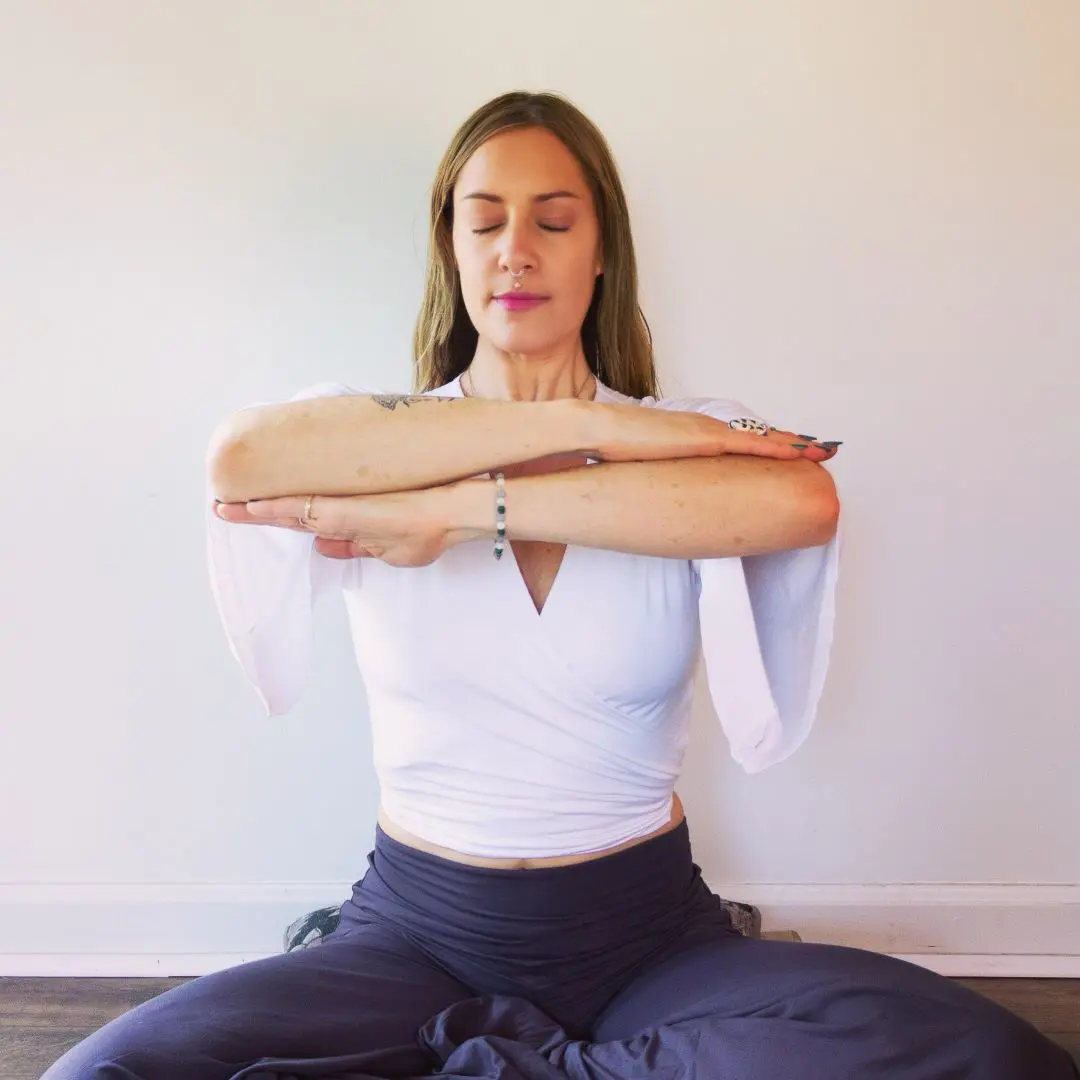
x: 766, y: 633
x: 266, y: 582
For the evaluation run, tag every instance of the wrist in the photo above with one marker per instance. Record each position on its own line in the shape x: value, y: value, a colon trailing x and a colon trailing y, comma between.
x: 586, y: 425
x: 467, y: 510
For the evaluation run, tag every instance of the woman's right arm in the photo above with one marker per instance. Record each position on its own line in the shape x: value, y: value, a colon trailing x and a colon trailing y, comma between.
x: 363, y: 444
x: 367, y: 444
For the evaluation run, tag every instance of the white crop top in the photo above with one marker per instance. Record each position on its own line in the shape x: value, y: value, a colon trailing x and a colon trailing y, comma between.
x: 501, y: 732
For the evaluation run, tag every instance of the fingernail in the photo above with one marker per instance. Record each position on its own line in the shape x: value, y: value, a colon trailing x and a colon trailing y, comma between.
x: 830, y: 444
x: 808, y: 438
x: 799, y: 445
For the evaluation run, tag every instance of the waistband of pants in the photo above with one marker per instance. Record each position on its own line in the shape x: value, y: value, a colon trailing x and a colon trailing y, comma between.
x: 657, y: 875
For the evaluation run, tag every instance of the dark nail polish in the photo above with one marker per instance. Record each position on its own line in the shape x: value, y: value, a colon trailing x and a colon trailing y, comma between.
x: 831, y: 445
x: 799, y: 445
x: 808, y: 438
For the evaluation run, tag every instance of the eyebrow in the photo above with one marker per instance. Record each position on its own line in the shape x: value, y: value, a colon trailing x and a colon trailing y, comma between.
x: 547, y: 196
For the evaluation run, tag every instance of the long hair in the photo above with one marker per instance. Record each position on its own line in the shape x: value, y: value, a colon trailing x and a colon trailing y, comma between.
x: 614, y: 335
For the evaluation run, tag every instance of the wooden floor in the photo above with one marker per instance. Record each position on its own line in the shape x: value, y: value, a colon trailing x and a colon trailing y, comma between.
x: 41, y: 1018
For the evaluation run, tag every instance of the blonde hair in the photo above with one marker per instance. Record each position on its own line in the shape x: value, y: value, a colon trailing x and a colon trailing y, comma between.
x: 614, y: 334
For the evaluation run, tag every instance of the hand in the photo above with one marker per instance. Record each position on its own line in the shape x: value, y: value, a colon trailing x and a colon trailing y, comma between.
x: 636, y: 433
x: 408, y: 528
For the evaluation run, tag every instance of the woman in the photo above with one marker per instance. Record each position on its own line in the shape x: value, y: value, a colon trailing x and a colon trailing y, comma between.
x: 531, y: 908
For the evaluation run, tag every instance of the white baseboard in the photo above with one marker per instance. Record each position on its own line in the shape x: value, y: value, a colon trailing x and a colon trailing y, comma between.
x: 973, y: 965
x: 137, y: 930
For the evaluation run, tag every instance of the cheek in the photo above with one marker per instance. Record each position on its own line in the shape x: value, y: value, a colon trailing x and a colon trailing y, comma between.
x: 579, y: 281
x: 472, y: 271
x: 579, y: 263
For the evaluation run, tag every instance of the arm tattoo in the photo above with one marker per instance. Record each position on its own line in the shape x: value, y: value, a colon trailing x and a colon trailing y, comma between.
x: 392, y: 401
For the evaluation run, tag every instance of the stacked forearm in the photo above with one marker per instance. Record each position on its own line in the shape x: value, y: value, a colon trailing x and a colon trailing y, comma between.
x: 363, y: 444
x: 693, y: 508
x: 671, y: 485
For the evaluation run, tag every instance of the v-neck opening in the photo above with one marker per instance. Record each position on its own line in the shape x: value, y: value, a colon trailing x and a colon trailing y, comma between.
x: 603, y: 393
x: 523, y: 586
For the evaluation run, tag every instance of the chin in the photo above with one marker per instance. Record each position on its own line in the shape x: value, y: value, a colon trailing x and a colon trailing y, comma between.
x: 524, y: 342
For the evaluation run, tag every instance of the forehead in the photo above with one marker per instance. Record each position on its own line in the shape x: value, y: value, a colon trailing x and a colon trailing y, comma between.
x: 522, y: 162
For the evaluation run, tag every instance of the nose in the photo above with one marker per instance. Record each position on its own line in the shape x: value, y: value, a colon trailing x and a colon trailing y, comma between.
x: 516, y: 250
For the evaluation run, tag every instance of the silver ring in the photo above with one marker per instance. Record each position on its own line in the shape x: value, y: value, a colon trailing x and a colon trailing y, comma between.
x: 305, y: 517
x: 748, y: 424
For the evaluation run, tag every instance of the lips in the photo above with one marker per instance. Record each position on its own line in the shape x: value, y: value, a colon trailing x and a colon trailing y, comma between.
x: 519, y: 301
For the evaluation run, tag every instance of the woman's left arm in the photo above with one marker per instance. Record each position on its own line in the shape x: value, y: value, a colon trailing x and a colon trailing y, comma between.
x: 687, y: 508
x: 690, y: 508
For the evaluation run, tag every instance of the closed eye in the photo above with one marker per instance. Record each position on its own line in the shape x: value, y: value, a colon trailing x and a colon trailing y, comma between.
x: 546, y: 228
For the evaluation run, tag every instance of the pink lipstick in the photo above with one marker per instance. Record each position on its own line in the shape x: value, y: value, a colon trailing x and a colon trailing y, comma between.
x: 519, y: 301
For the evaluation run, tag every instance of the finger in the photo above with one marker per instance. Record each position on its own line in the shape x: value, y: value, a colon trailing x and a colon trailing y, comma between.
x: 235, y: 512
x: 238, y: 514
x: 769, y: 446
x: 329, y: 516
x: 829, y: 446
x: 339, y: 549
x: 793, y: 435
x: 777, y: 446
x: 805, y: 444
x: 291, y: 506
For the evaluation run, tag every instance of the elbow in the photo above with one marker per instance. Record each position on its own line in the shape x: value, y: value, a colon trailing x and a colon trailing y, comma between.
x: 821, y: 512
x: 825, y: 518
x: 229, y: 460
x: 812, y: 508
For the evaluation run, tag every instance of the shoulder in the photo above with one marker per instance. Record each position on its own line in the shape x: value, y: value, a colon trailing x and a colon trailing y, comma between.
x: 328, y: 389
x: 339, y: 389
x: 718, y: 407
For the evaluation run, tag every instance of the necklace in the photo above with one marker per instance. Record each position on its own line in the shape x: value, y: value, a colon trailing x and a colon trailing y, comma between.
x: 470, y: 391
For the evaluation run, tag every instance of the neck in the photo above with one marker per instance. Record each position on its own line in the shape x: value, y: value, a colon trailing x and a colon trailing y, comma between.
x: 528, y: 377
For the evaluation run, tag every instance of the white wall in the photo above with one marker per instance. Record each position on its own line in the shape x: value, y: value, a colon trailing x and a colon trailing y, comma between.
x: 862, y: 219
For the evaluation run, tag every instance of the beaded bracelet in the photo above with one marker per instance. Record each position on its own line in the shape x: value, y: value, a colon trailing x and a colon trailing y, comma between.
x: 500, y: 515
